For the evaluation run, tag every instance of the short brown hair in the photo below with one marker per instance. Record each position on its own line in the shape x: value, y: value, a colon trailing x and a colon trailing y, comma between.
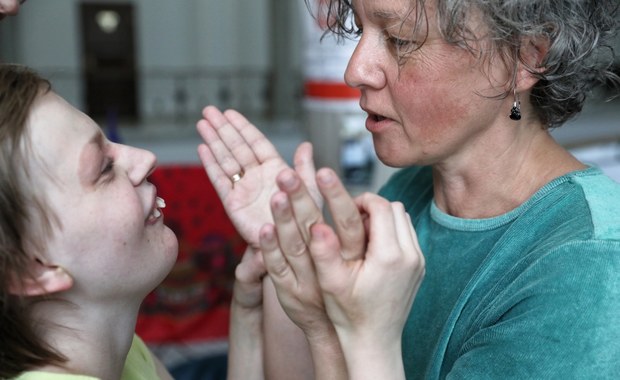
x: 21, y: 348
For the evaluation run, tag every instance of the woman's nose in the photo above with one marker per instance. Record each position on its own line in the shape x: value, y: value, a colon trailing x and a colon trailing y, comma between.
x: 364, y: 69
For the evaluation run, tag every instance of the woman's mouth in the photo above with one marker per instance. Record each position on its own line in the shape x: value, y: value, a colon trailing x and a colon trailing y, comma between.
x: 377, y: 118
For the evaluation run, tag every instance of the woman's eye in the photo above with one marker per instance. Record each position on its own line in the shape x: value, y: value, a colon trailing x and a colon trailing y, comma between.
x: 400, y: 43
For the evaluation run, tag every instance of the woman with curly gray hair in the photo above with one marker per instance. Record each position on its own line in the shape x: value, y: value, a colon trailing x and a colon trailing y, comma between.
x: 518, y: 242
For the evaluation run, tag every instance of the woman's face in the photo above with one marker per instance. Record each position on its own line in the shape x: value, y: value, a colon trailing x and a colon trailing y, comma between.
x: 428, y: 109
x: 110, y: 237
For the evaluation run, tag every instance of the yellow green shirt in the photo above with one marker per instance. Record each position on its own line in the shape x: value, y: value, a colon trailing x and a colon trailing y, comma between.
x: 138, y: 366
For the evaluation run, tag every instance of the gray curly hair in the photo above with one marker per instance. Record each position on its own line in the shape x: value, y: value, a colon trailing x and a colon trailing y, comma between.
x: 580, y: 54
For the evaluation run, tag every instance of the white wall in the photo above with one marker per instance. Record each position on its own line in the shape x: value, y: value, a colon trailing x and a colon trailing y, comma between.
x: 173, y: 38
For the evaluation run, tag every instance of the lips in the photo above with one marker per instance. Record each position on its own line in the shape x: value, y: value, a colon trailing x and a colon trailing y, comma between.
x: 376, y: 117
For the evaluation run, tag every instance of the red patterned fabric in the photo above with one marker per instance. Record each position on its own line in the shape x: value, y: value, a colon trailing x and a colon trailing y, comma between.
x: 192, y: 304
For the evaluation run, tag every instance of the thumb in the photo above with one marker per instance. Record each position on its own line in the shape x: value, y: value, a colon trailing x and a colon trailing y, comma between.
x: 329, y: 264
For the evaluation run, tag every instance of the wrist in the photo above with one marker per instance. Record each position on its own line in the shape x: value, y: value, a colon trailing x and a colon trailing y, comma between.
x: 372, y: 357
x: 327, y: 356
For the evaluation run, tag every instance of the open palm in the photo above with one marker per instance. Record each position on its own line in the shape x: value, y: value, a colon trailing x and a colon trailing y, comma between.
x: 232, y: 145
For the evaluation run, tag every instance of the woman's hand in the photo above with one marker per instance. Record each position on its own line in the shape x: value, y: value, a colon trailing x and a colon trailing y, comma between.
x: 234, y: 146
x: 284, y: 246
x: 368, y: 298
x: 363, y: 273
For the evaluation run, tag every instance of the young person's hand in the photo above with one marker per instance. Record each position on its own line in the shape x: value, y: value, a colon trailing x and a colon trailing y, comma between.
x: 245, y: 354
x: 242, y: 165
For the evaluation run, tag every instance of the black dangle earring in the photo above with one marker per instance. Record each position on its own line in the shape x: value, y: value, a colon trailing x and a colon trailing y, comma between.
x: 515, y: 112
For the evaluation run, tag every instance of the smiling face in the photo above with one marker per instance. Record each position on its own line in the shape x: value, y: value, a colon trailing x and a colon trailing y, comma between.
x: 427, y: 108
x: 109, y: 236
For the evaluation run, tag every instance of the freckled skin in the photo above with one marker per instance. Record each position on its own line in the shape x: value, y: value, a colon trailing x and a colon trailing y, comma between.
x: 433, y: 98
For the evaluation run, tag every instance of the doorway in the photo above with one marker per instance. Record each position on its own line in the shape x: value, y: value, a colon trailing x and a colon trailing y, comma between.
x: 109, y: 66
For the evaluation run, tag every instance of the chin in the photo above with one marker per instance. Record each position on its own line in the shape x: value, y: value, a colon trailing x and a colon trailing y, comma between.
x: 167, y: 253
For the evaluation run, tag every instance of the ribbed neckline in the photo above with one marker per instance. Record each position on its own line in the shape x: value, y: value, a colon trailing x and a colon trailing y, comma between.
x: 487, y: 224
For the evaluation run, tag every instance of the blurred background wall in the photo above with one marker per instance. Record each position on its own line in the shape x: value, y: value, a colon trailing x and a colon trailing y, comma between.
x: 185, y: 53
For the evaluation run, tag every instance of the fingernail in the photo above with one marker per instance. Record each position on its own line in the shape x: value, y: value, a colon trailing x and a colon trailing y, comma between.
x: 325, y: 177
x: 267, y: 234
x: 289, y: 180
x: 280, y: 201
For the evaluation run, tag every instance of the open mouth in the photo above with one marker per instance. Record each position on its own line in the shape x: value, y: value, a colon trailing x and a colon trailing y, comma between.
x: 156, y: 213
x: 377, y: 118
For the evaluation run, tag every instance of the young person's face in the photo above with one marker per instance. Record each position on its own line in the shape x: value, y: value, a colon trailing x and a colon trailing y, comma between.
x: 9, y: 7
x: 109, y: 238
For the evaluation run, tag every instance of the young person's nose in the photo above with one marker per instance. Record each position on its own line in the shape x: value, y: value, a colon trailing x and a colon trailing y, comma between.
x: 140, y: 164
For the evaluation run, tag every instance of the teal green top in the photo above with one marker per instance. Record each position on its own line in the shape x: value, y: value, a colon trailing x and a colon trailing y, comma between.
x: 138, y: 366
x: 531, y: 294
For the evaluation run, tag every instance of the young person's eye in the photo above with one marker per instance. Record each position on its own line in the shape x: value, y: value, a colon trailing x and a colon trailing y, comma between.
x: 108, y: 167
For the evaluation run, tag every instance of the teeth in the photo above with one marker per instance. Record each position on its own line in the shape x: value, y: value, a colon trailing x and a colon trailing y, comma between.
x: 160, y: 203
x: 156, y: 213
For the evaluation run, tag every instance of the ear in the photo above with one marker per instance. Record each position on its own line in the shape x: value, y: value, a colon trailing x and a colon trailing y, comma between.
x: 532, y: 54
x: 45, y: 279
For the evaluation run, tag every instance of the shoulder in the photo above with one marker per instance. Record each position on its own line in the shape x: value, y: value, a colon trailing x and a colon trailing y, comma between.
x: 602, y: 196
x: 140, y: 364
x: 578, y: 207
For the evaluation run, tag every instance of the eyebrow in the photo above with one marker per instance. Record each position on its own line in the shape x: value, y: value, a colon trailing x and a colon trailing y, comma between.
x: 387, y: 15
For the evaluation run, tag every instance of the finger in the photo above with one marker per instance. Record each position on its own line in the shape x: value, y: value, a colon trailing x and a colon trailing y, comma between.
x: 328, y: 263
x: 402, y: 227
x: 261, y: 147
x: 405, y: 232
x: 409, y: 242
x: 304, y: 166
x: 223, y: 157
x: 251, y: 269
x: 306, y: 212
x: 220, y: 180
x: 382, y: 229
x: 275, y: 262
x: 290, y: 239
x: 345, y: 214
x: 415, y: 252
x: 230, y: 136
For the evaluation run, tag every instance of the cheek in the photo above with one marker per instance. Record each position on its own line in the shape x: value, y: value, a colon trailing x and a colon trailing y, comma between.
x: 432, y: 109
x: 101, y: 231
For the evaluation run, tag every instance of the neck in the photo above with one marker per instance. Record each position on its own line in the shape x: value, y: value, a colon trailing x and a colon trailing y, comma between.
x: 94, y: 339
x: 498, y: 177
